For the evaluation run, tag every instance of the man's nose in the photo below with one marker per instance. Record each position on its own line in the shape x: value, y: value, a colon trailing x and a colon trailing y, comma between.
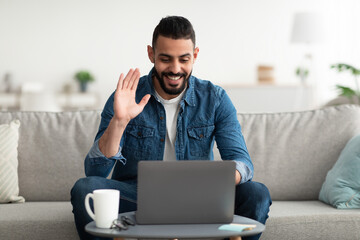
x: 175, y: 67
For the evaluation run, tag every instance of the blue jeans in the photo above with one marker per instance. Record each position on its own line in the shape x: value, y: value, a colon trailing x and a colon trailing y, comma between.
x: 252, y: 200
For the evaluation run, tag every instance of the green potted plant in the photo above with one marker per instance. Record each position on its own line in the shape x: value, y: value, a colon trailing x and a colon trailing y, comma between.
x: 302, y: 73
x: 84, y: 77
x: 352, y: 94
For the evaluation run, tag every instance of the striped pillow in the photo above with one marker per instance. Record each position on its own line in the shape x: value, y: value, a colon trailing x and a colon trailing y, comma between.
x: 9, y: 186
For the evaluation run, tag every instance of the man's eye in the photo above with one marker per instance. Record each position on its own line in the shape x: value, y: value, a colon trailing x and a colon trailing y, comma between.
x: 164, y: 60
x: 184, y: 60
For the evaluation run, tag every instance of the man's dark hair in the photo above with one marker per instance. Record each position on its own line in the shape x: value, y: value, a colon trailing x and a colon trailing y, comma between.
x: 174, y: 27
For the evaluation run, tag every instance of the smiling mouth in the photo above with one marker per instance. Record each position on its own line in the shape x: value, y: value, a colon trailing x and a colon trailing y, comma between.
x: 174, y: 80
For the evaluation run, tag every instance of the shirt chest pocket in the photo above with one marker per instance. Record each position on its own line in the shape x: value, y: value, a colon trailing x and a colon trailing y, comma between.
x: 200, y: 139
x: 138, y: 142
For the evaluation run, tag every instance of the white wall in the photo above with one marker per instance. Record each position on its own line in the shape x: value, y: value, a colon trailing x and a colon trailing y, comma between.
x: 48, y: 40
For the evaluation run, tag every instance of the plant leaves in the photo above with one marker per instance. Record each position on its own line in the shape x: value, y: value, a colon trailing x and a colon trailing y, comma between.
x: 84, y: 76
x: 345, y: 91
x: 343, y: 67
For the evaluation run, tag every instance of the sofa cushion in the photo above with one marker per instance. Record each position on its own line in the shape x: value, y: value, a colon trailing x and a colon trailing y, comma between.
x: 303, y: 220
x: 52, y: 149
x: 342, y: 185
x: 37, y: 220
x: 9, y: 182
x: 292, y: 152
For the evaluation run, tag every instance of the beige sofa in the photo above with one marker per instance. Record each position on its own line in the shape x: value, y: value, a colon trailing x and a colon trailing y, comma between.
x: 291, y: 152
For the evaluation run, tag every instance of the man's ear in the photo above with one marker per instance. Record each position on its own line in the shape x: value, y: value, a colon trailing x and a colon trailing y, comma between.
x: 151, y: 53
x: 196, y: 52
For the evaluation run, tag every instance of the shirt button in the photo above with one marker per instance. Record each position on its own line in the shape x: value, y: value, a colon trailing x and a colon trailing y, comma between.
x: 161, y: 118
x: 161, y: 140
x: 139, y: 134
x: 201, y: 136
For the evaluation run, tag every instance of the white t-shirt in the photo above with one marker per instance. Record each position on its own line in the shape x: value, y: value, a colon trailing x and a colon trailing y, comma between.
x: 172, y: 107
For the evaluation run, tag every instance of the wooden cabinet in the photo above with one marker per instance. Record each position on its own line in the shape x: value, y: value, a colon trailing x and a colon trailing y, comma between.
x: 271, y: 98
x: 49, y: 102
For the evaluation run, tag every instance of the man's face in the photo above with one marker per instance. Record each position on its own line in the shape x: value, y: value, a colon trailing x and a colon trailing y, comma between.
x: 173, y: 60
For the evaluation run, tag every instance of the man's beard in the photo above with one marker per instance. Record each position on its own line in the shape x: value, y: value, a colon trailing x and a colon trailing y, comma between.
x: 172, y: 91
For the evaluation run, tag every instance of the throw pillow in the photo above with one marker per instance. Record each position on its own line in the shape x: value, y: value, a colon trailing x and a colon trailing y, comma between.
x: 342, y: 185
x: 9, y: 186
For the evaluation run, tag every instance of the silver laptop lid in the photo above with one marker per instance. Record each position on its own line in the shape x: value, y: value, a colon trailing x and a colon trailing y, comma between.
x: 185, y: 192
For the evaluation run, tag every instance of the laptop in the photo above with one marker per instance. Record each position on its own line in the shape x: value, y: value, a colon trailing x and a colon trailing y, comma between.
x: 185, y: 192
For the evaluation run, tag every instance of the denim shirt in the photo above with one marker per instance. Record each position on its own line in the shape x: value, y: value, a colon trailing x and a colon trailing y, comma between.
x: 206, y: 114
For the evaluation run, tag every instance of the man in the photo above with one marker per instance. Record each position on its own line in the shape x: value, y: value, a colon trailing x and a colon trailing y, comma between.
x: 166, y: 115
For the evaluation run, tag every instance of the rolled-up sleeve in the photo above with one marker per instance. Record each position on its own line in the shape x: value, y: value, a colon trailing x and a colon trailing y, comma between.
x: 244, y: 170
x: 96, y: 164
x: 229, y: 139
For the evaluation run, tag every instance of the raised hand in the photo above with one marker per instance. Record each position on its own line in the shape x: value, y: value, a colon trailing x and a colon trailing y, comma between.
x: 125, y: 109
x: 125, y: 106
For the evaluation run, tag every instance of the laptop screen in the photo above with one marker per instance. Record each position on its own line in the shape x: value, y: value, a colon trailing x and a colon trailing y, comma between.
x: 185, y: 192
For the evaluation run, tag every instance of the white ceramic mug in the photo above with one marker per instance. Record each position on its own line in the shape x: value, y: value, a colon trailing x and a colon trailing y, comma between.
x: 106, y: 206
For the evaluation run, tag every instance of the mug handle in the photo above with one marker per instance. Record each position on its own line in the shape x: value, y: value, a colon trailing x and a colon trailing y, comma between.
x: 87, y: 205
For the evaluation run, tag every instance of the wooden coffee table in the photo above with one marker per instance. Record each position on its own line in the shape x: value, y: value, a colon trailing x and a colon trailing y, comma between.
x: 184, y: 231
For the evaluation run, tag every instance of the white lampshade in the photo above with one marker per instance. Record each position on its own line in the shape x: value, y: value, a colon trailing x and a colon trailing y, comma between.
x: 307, y: 28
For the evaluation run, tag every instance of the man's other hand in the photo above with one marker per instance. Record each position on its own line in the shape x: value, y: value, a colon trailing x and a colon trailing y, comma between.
x: 237, y: 177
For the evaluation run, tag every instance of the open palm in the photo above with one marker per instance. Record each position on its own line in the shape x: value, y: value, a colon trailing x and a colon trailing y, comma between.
x: 125, y: 106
